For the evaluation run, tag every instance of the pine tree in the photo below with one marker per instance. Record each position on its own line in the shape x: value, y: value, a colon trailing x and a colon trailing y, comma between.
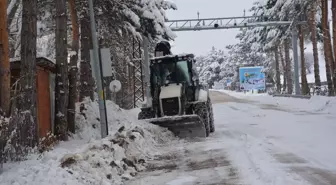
x: 73, y: 67
x: 327, y: 46
x: 4, y: 61
x: 277, y: 69
x: 86, y: 87
x: 313, y: 38
x: 304, y: 82
x: 62, y: 84
x: 28, y: 96
x: 333, y: 8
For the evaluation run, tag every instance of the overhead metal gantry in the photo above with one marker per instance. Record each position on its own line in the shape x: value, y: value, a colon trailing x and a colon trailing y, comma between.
x: 223, y: 23
x: 242, y: 22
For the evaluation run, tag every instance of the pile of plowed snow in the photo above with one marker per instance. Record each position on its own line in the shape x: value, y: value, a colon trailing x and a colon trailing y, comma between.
x: 88, y: 124
x: 88, y: 160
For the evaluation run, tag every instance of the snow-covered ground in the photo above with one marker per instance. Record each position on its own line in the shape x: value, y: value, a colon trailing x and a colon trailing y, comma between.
x: 317, y: 104
x: 259, y: 140
x: 86, y: 159
x: 297, y: 133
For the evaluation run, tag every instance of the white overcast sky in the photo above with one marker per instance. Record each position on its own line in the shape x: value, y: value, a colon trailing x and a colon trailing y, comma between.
x: 200, y: 42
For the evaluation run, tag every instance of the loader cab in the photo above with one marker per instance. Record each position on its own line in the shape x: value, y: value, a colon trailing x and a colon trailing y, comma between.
x: 166, y: 73
x: 170, y: 70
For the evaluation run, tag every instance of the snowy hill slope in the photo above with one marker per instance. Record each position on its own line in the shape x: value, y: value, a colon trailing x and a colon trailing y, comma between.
x: 86, y: 159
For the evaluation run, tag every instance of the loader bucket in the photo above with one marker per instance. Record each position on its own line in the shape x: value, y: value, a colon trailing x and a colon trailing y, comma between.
x: 186, y: 126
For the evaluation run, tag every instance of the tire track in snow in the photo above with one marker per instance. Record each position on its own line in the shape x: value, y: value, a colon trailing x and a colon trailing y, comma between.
x: 217, y: 162
x: 252, y: 154
x: 302, y: 167
x: 194, y: 164
x: 199, y: 163
x: 294, y: 163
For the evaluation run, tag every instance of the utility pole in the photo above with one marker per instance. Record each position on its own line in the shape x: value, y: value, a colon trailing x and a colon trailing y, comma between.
x: 198, y: 15
x: 296, y: 59
x: 98, y: 73
x: 147, y: 72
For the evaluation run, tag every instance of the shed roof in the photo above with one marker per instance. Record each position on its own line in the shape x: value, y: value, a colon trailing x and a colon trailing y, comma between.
x: 40, y: 61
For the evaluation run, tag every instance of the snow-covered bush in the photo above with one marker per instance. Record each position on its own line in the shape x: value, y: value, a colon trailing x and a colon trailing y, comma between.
x: 3, y: 137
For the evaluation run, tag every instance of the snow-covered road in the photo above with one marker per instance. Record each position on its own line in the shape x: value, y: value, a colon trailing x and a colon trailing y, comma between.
x: 256, y: 142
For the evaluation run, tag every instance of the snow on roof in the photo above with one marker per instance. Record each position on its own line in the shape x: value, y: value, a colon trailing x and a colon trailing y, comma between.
x: 15, y: 63
x: 16, y: 59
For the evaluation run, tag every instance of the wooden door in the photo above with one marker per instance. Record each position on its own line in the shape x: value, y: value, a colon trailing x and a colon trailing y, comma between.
x: 43, y: 102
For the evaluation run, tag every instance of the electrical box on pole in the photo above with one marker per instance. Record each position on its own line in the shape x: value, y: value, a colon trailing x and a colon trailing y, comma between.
x: 106, y: 62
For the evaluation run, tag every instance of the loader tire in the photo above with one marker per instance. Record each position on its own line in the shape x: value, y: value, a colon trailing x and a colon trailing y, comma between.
x: 145, y: 114
x: 201, y: 109
x: 211, y: 117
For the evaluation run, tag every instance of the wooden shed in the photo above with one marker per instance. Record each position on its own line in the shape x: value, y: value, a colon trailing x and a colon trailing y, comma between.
x: 45, y: 82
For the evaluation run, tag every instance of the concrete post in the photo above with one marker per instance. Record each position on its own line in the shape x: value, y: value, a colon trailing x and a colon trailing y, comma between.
x: 296, y: 60
x: 146, y: 71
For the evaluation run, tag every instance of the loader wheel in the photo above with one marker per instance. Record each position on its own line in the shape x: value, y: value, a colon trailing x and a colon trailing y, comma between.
x: 211, y: 117
x: 201, y: 109
x: 145, y: 114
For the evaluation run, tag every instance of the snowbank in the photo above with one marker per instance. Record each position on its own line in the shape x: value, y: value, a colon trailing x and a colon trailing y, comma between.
x: 241, y: 94
x: 90, y: 128
x: 87, y: 159
x: 319, y: 104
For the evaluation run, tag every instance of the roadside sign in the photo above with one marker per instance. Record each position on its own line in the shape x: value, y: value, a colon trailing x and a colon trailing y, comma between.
x: 251, y: 78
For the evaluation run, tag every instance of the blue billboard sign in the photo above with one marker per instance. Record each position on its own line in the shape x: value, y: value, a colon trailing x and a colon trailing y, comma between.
x: 228, y: 82
x: 251, y: 78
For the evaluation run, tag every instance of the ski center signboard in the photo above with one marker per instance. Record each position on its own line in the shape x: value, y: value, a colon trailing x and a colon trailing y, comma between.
x: 251, y: 78
x: 228, y: 82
